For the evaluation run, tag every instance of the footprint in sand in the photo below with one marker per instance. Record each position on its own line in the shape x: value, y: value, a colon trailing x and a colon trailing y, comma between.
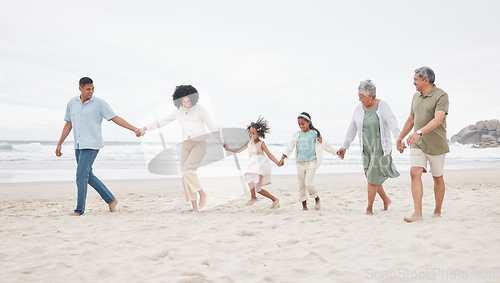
x: 246, y: 233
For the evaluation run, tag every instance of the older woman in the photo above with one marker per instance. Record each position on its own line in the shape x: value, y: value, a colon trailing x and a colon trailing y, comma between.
x: 193, y: 119
x: 373, y: 121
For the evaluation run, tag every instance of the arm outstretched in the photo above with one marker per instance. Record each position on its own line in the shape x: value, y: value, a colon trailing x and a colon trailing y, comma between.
x: 237, y: 150
x: 269, y: 154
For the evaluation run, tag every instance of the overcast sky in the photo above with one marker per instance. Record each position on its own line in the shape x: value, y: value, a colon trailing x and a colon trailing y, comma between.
x: 246, y: 58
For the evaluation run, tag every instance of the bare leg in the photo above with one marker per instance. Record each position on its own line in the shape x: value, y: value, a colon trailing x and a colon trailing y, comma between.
x: 304, y: 205
x: 203, y: 199
x: 372, y: 192
x: 417, y: 191
x: 112, y: 205
x: 439, y: 188
x: 253, y: 196
x: 318, y: 204
x: 195, y: 206
x: 385, y: 198
x: 271, y: 197
x: 267, y: 195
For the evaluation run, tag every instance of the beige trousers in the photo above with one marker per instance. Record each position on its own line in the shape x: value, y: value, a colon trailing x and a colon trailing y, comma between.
x: 306, y: 171
x: 192, y: 153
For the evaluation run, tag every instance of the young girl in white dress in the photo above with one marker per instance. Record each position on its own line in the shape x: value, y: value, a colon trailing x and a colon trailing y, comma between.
x: 259, y: 168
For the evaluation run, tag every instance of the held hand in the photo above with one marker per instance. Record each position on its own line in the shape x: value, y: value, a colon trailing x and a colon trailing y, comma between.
x: 58, y: 151
x: 224, y: 145
x: 320, y: 140
x: 281, y: 163
x: 400, y: 145
x: 412, y: 139
x: 282, y: 160
x: 140, y: 132
x: 341, y: 152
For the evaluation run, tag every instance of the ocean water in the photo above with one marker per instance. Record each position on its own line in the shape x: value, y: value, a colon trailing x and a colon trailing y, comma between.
x: 34, y: 161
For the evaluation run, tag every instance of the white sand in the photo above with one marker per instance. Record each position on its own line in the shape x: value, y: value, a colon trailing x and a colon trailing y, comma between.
x: 153, y: 237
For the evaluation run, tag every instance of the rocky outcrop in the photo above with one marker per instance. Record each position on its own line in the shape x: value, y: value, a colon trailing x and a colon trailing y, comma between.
x: 481, y: 135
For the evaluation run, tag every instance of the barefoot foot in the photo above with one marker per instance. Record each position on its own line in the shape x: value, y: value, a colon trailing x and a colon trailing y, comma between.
x: 203, y: 200
x: 318, y: 204
x: 276, y: 204
x: 252, y: 201
x: 112, y: 205
x: 75, y: 214
x: 437, y: 213
x: 413, y: 218
x: 369, y: 212
x: 387, y: 203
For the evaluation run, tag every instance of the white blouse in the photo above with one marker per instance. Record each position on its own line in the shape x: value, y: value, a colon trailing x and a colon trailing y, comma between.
x: 194, y: 122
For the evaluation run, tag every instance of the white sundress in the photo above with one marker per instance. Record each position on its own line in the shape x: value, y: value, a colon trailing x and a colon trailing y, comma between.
x: 258, y: 166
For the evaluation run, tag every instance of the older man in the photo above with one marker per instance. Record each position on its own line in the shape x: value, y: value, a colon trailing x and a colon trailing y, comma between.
x: 428, y: 141
x: 84, y: 114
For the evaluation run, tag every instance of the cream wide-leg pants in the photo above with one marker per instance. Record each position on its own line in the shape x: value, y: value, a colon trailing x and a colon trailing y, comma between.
x: 306, y: 170
x: 192, y: 153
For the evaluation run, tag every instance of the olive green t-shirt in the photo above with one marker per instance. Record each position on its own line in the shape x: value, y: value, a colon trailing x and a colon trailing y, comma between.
x: 423, y: 109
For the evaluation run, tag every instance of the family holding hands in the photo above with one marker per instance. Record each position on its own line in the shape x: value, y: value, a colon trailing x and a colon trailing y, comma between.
x: 372, y: 121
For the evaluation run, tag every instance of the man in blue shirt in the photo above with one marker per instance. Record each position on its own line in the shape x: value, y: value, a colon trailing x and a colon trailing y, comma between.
x: 84, y: 115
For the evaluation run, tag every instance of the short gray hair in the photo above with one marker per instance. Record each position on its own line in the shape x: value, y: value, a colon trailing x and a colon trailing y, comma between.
x: 426, y: 72
x: 367, y: 87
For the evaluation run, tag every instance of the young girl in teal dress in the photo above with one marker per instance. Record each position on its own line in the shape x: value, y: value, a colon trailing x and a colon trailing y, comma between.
x: 309, y: 147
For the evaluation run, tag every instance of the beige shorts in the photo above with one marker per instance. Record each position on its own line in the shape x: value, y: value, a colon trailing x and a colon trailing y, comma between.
x: 419, y: 159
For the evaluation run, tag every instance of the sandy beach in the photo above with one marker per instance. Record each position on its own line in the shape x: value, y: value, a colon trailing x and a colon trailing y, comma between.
x: 154, y: 238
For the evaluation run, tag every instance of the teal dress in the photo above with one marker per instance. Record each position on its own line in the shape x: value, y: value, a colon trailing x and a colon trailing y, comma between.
x: 377, y: 166
x: 306, y: 146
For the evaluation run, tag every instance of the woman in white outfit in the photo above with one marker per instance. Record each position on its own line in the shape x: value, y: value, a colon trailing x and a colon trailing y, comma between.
x: 193, y: 119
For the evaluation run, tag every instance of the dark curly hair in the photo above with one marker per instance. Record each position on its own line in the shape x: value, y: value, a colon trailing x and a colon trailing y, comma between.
x: 261, y: 126
x: 182, y: 91
x: 310, y: 124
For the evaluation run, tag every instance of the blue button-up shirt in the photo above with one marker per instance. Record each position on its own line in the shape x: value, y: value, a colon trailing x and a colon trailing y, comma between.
x: 86, y: 120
